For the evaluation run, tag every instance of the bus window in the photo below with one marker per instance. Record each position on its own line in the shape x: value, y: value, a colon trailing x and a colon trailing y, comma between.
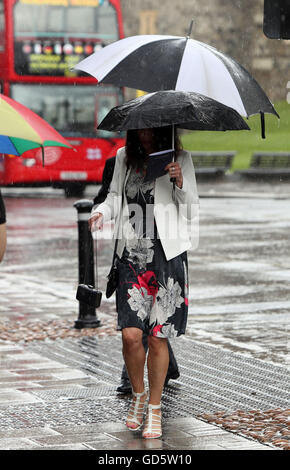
x: 51, y: 39
x: 72, y: 110
x: 55, y: 21
x: 43, y: 20
x: 77, y: 18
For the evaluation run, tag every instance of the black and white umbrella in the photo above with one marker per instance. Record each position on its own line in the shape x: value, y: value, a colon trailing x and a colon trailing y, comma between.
x: 156, y: 62
x: 186, y: 110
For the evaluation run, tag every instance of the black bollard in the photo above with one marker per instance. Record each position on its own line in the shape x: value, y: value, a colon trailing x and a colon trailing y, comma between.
x: 87, y: 314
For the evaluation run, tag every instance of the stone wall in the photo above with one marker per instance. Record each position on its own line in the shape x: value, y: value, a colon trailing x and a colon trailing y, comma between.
x: 232, y: 26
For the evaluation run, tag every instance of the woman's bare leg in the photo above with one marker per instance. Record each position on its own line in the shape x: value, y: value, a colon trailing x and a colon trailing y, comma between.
x: 157, y: 362
x: 134, y: 357
x: 3, y: 240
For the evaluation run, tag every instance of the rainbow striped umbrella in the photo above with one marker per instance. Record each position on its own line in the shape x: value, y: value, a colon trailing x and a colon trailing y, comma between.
x: 21, y: 130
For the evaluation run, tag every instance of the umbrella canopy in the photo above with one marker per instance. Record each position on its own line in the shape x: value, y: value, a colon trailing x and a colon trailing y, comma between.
x: 21, y: 129
x: 187, y: 110
x: 157, y: 62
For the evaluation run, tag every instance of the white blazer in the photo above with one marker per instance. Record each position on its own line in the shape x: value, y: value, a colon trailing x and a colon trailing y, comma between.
x: 176, y: 212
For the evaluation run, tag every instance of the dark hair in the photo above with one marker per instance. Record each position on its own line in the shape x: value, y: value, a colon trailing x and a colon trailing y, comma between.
x: 162, y: 140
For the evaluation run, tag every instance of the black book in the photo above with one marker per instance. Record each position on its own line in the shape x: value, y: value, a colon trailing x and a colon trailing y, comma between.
x: 157, y: 162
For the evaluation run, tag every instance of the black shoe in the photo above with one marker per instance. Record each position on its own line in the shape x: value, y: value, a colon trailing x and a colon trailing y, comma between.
x: 171, y: 376
x: 124, y: 387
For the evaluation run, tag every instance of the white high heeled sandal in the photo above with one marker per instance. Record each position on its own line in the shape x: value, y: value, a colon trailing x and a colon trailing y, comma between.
x: 153, y: 423
x: 136, y: 411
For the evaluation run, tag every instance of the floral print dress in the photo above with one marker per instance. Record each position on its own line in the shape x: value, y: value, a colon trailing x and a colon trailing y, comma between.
x: 152, y: 293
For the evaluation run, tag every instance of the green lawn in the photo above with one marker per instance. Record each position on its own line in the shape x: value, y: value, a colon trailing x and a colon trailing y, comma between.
x: 246, y: 142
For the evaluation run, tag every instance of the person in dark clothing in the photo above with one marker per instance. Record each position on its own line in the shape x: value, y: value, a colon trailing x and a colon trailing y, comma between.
x: 173, y: 372
x: 2, y: 228
x: 106, y: 180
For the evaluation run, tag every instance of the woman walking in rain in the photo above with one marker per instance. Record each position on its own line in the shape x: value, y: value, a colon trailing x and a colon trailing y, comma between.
x: 155, y: 219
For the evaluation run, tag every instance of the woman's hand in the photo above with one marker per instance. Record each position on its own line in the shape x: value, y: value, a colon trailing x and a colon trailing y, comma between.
x: 174, y: 170
x: 96, y: 222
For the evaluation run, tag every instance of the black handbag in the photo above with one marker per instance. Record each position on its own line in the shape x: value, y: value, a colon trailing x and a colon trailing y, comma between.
x: 113, y: 276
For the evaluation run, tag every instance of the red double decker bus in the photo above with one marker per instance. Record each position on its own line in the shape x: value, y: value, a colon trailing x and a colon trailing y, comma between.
x: 40, y: 42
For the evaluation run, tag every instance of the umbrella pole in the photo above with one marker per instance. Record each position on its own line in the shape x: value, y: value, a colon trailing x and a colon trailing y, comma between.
x: 263, y: 125
x: 190, y: 30
x: 173, y: 180
x: 42, y: 154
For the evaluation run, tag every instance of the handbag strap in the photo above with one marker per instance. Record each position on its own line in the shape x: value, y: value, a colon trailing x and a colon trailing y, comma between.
x: 96, y: 262
x: 88, y: 264
x: 116, y: 242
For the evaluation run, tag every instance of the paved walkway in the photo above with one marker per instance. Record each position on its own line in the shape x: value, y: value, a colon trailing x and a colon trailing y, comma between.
x: 61, y: 395
x: 57, y: 384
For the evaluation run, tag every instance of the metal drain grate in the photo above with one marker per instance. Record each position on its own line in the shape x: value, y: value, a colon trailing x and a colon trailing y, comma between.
x: 211, y: 380
x: 62, y: 413
x: 76, y: 393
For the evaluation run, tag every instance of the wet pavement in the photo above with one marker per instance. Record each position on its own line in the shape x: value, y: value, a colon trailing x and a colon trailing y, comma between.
x: 238, y: 326
x: 61, y: 395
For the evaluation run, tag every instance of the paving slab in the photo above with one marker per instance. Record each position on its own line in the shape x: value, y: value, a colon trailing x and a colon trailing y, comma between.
x: 16, y: 396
